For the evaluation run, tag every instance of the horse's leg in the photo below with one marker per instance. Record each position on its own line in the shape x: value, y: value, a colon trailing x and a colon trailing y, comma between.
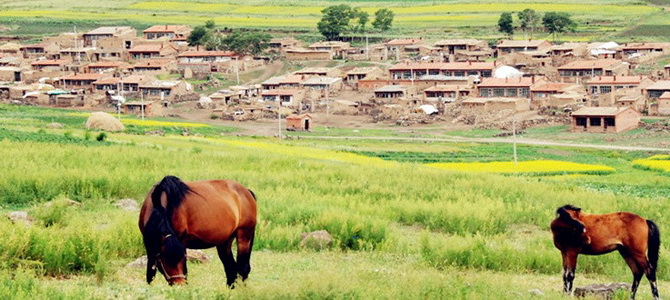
x: 569, y: 266
x: 635, y: 268
x: 226, y: 255
x: 245, y: 243
x: 649, y: 271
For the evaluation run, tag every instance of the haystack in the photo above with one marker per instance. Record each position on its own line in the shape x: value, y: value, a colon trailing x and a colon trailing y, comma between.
x: 103, y: 121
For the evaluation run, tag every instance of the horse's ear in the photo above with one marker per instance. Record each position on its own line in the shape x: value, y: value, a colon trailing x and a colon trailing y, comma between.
x: 566, y: 217
x: 151, y: 268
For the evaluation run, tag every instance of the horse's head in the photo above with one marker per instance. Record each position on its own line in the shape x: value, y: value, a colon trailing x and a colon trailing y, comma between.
x: 171, y: 260
x: 568, y: 224
x: 164, y: 251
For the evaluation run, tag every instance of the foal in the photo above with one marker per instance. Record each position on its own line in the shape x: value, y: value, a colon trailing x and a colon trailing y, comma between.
x: 638, y: 241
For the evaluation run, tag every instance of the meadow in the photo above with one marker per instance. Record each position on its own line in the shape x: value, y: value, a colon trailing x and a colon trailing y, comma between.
x: 599, y: 19
x: 400, y: 229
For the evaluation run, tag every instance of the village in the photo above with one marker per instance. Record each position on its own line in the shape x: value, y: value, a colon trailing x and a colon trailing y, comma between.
x: 592, y: 86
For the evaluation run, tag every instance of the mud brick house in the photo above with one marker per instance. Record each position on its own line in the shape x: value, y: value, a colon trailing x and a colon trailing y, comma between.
x: 80, y: 81
x: 663, y: 104
x: 605, y: 119
x: 164, y: 90
x: 414, y: 71
x: 510, y: 46
x: 388, y: 93
x: 148, y: 108
x: 10, y: 48
x: 175, y: 33
x: 456, y: 45
x: 153, y: 66
x: 607, y: 84
x: 308, y: 54
x: 285, y: 97
x: 106, y: 85
x: 580, y: 69
x: 446, y: 93
x: 132, y: 83
x: 322, y: 83
x: 11, y: 74
x: 571, y: 49
x: 508, y: 87
x: 206, y: 56
x: 91, y: 38
x: 50, y: 65
x: 149, y: 51
x: 106, y: 66
x: 657, y: 89
x: 335, y: 47
x: 632, y: 49
x: 332, y: 72
x: 357, y: 74
x: 86, y: 54
x: 299, y: 122
x: 34, y: 51
x: 282, y: 44
x: 400, y: 48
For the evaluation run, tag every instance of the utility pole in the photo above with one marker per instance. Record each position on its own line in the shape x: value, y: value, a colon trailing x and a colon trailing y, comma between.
x: 142, y: 104
x: 514, y: 138
x: 279, y: 121
x: 367, y: 47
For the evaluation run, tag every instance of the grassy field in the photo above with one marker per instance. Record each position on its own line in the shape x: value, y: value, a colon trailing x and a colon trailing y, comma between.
x: 401, y: 229
x: 599, y: 19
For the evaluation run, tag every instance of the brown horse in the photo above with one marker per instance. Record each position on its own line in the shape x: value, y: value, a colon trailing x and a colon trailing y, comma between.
x: 197, y: 215
x: 637, y: 240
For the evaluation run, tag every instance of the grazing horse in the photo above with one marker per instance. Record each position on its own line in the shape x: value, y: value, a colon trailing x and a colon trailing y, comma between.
x: 637, y: 240
x: 197, y: 215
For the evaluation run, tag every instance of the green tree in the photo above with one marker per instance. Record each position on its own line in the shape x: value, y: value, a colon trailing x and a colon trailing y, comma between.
x: 530, y: 20
x: 210, y: 24
x: 335, y: 20
x: 558, y: 22
x: 383, y: 19
x: 246, y: 42
x: 198, y: 36
x: 505, y: 24
x: 362, y: 19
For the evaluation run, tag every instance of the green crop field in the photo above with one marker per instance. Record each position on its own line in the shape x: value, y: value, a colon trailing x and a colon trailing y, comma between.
x: 401, y: 229
x: 598, y: 19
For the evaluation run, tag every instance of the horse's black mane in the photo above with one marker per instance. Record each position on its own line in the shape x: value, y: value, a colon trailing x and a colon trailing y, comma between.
x: 564, y: 215
x: 175, y: 190
x: 158, y: 230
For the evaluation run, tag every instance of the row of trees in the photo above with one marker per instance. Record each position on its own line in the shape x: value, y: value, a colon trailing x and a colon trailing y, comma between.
x: 529, y: 22
x: 343, y: 19
x: 240, y: 42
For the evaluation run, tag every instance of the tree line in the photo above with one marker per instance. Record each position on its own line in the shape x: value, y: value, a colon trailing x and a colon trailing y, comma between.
x: 344, y: 19
x: 529, y: 22
x: 248, y: 42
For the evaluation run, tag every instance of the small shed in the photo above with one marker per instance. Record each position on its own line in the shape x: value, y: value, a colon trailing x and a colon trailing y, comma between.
x: 150, y: 108
x: 605, y: 119
x: 299, y: 122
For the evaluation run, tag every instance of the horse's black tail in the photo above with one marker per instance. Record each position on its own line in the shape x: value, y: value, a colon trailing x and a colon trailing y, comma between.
x: 174, y: 190
x: 252, y: 194
x: 653, y: 244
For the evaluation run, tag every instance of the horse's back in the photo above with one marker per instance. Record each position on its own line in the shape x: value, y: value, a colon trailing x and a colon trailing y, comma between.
x: 620, y: 228
x: 214, y: 210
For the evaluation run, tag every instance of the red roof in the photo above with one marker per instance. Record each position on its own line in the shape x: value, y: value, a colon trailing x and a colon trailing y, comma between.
x: 291, y: 79
x: 109, y: 80
x: 589, y: 64
x: 445, y: 66
x: 508, y: 82
x: 83, y: 76
x: 166, y: 28
x: 49, y: 62
x: 615, y: 79
x: 150, y: 48
x: 206, y: 53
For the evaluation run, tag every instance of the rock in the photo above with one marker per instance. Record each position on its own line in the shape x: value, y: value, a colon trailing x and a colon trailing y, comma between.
x: 104, y: 121
x: 67, y: 201
x: 19, y: 216
x: 55, y: 126
x: 127, y: 204
x: 140, y: 262
x: 536, y: 292
x: 601, y: 290
x: 316, y: 240
x: 197, y: 256
x: 155, y: 132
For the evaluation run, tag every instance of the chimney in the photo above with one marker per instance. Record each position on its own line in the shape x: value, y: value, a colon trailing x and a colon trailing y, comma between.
x: 495, y: 63
x: 614, y: 78
x: 470, y: 63
x: 166, y: 27
x: 532, y: 79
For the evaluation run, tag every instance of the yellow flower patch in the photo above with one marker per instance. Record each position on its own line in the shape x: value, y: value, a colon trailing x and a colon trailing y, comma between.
x: 525, y: 167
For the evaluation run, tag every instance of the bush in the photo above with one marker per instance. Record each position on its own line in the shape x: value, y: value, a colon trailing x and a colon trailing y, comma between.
x: 101, y: 137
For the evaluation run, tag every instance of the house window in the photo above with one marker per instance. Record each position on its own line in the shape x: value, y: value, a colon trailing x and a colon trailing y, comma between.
x: 434, y: 72
x: 610, y: 122
x: 524, y: 92
x: 605, y: 89
x: 459, y: 73
x: 473, y: 73
x: 486, y: 74
x: 485, y: 92
x: 594, y: 89
x: 595, y: 121
x: 511, y: 92
x: 498, y: 92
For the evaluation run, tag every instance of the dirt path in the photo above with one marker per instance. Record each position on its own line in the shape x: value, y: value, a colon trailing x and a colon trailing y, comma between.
x: 270, y: 70
x: 494, y: 140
